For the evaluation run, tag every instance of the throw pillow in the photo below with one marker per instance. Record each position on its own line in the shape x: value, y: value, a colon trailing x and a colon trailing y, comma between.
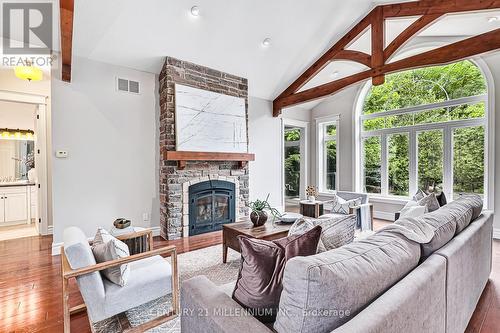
x: 441, y: 198
x: 259, y: 284
x: 105, y: 248
x: 419, y: 195
x: 342, y: 206
x: 430, y: 201
x: 336, y: 231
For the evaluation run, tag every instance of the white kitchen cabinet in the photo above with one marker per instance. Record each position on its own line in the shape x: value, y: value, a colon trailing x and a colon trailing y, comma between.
x: 13, y: 205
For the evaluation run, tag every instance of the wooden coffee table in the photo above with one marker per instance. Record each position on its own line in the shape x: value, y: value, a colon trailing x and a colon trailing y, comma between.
x: 268, y: 231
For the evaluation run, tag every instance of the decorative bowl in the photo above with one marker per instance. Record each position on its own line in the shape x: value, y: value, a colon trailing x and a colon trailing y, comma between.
x: 121, y: 223
x: 290, y: 217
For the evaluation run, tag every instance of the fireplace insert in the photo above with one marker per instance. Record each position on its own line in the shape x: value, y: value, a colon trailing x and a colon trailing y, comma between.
x: 211, y: 204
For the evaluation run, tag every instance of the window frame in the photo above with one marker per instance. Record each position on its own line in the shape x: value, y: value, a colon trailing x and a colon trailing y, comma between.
x: 322, y: 138
x: 447, y: 127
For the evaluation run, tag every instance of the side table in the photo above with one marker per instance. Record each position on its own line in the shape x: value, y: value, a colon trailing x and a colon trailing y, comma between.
x: 311, y: 208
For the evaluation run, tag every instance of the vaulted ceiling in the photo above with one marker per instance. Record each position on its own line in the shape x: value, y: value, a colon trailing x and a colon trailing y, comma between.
x: 228, y: 35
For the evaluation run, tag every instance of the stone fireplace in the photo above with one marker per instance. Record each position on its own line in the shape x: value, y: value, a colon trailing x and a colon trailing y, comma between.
x: 176, y: 183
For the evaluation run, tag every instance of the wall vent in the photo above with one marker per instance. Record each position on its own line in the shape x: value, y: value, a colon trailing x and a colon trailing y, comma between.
x: 127, y: 86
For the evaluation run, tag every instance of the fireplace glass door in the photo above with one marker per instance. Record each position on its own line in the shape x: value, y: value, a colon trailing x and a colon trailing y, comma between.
x: 211, y: 204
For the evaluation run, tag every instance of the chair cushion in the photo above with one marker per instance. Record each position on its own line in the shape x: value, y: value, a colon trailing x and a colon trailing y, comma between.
x: 106, y: 248
x: 79, y: 254
x: 149, y: 279
x: 258, y: 286
x: 340, y: 205
x: 323, y: 291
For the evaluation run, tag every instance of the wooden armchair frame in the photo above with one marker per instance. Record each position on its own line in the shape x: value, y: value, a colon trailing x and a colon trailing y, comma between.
x: 67, y: 273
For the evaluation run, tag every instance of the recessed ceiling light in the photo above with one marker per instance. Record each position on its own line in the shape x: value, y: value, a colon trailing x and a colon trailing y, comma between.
x: 195, y: 11
x: 335, y: 74
x: 266, y: 42
x: 493, y: 19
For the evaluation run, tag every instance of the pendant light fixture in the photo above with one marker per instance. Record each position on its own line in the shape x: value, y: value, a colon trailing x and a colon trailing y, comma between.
x: 28, y: 72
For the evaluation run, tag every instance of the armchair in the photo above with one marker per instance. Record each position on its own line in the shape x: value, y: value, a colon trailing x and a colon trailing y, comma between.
x: 363, y: 212
x: 151, y: 277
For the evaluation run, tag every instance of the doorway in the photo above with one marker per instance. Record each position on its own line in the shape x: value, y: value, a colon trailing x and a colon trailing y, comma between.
x: 294, y: 164
x: 23, y: 165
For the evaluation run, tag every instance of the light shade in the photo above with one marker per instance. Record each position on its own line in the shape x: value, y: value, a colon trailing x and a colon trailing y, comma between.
x: 29, y: 73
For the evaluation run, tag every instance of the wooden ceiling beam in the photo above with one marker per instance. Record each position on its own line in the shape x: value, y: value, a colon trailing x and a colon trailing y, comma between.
x: 417, y: 26
x: 450, y: 53
x: 327, y: 56
x: 428, y: 10
x: 430, y: 7
x: 66, y: 8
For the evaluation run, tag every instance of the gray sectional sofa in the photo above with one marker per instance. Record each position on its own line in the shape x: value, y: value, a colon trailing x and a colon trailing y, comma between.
x: 418, y: 275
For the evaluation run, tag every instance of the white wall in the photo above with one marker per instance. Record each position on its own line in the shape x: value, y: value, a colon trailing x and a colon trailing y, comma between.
x: 265, y: 142
x: 340, y: 104
x: 493, y: 62
x: 17, y: 115
x: 112, y: 143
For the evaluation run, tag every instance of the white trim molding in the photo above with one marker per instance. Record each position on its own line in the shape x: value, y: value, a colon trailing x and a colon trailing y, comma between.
x: 386, y: 216
x: 496, y: 233
x: 321, y: 138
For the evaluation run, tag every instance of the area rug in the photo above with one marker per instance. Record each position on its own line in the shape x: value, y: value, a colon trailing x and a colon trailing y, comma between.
x: 207, y: 261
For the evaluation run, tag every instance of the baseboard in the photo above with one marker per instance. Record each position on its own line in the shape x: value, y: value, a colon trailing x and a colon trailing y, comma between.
x: 384, y: 215
x: 496, y: 233
x: 156, y: 231
x: 56, y: 247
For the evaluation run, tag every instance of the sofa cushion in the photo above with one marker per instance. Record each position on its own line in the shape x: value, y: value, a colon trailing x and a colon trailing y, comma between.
x: 469, y: 205
x: 444, y: 225
x: 323, y: 291
x: 106, y: 248
x: 336, y: 229
x: 258, y: 286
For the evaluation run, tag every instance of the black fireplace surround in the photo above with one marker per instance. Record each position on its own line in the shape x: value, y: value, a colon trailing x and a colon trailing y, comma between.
x: 211, y: 204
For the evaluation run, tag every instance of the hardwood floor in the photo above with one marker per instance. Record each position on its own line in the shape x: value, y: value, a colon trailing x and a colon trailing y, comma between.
x: 30, y: 286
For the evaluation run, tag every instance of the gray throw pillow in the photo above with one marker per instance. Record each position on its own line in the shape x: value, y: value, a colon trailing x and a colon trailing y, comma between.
x: 336, y: 231
x: 106, y: 248
x: 430, y: 201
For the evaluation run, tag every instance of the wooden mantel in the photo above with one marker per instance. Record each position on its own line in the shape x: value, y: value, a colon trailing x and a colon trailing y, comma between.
x: 183, y: 156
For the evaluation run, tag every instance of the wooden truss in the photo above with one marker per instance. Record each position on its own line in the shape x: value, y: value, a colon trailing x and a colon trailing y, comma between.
x: 66, y: 8
x: 428, y: 11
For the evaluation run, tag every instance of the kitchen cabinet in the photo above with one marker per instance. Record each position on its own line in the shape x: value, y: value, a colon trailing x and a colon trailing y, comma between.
x: 14, y: 205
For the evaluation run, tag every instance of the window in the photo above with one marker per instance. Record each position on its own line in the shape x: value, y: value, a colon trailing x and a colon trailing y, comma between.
x: 425, y: 128
x: 327, y: 154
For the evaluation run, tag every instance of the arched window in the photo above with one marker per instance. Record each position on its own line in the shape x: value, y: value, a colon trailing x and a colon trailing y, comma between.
x: 425, y: 128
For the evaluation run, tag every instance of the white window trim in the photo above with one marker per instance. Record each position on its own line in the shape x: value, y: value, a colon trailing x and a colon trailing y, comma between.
x: 447, y: 128
x: 304, y: 151
x: 320, y: 152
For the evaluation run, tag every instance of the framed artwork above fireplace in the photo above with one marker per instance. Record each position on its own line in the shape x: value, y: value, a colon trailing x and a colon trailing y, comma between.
x: 207, y: 121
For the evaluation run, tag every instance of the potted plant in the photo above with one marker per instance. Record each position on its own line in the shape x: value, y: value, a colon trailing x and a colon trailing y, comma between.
x: 258, y: 216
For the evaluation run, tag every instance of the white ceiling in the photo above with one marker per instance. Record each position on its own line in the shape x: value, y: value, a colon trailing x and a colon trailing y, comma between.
x: 228, y: 35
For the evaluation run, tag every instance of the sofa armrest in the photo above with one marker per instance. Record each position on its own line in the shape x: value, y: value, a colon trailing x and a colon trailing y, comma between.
x: 205, y: 308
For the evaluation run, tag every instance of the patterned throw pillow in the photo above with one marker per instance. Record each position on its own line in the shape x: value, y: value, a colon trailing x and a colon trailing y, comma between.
x: 342, y: 206
x: 336, y: 231
x: 105, y: 248
x: 430, y: 201
x: 419, y: 195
